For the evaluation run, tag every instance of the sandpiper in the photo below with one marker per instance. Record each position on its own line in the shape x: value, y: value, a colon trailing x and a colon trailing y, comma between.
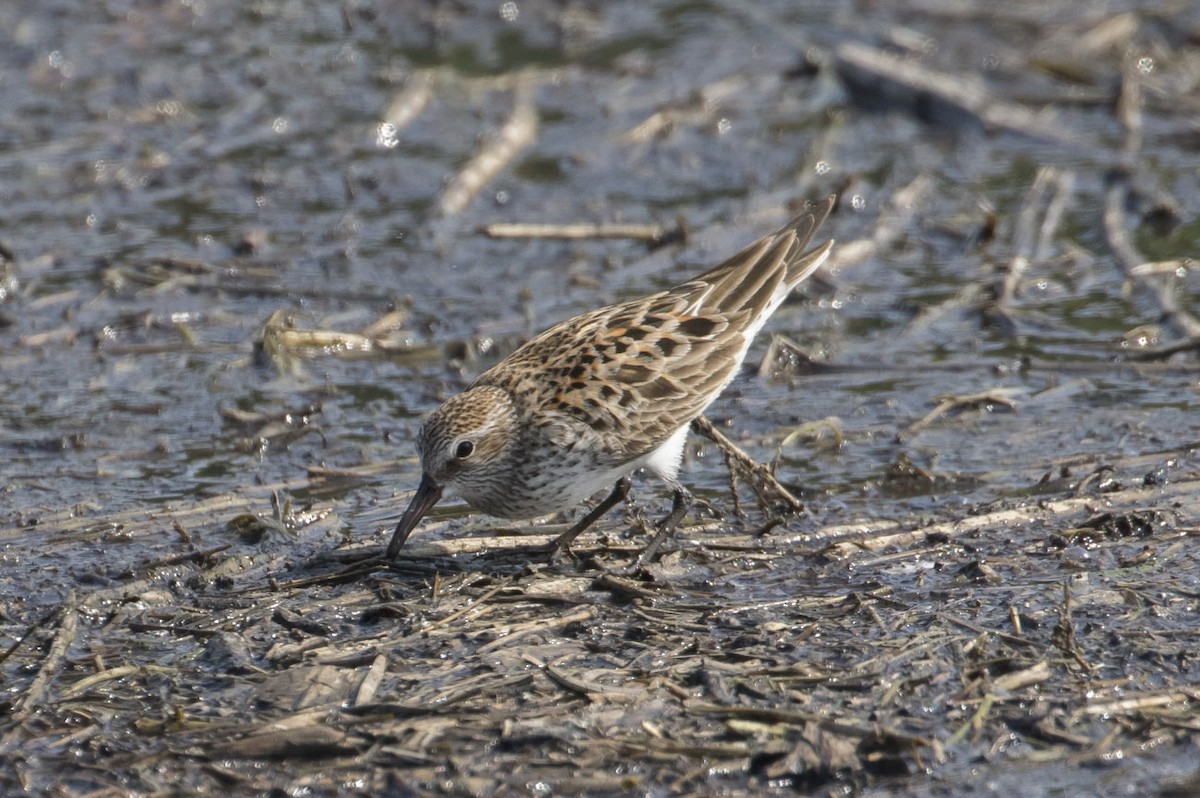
x: 589, y: 401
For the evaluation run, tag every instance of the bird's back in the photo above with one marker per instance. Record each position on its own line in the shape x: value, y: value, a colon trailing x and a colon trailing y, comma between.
x: 625, y: 377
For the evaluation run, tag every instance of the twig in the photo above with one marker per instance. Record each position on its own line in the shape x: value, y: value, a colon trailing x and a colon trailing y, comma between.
x: 1023, y: 236
x: 1063, y: 634
x: 650, y: 233
x: 521, y: 631
x: 1014, y: 617
x: 1030, y: 240
x: 1064, y: 188
x: 975, y: 722
x: 761, y: 475
x: 112, y: 674
x: 371, y: 680
x: 626, y: 588
x: 848, y: 539
x: 471, y: 606
x: 799, y: 718
x: 1129, y: 111
x: 1138, y: 703
x: 697, y: 109
x: 997, y: 396
x: 517, y: 134
x: 1035, y: 674
x: 175, y: 559
x: 980, y: 630
x: 407, y: 106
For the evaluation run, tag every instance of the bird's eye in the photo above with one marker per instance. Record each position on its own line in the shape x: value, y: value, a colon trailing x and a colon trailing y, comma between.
x: 463, y: 450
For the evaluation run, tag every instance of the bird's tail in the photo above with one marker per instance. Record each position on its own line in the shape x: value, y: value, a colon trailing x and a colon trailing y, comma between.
x: 756, y: 280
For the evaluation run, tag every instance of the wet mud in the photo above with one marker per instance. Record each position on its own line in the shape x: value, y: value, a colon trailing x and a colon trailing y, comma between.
x: 946, y: 543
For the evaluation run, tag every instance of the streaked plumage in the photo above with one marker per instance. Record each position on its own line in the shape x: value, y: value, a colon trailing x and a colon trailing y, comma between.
x: 592, y: 399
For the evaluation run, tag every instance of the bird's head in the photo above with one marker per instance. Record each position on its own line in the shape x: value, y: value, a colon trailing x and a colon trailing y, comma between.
x: 463, y: 446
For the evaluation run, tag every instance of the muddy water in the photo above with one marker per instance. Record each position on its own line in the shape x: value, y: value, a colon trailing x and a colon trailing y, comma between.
x: 172, y: 174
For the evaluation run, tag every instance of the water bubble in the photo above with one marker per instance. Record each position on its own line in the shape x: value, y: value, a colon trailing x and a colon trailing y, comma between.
x: 386, y: 136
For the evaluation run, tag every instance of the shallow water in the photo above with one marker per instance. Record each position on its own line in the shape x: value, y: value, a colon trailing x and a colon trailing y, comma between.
x: 173, y: 174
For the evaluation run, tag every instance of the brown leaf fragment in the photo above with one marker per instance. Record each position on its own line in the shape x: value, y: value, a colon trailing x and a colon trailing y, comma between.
x: 305, y: 742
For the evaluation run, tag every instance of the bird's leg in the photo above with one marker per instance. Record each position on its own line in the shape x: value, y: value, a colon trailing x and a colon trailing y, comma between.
x: 681, y: 502
x: 619, y: 492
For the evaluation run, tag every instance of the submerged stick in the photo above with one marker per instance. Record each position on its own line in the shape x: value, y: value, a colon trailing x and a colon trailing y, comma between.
x: 518, y: 133
x: 1121, y: 243
x: 39, y: 688
x: 879, y: 79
